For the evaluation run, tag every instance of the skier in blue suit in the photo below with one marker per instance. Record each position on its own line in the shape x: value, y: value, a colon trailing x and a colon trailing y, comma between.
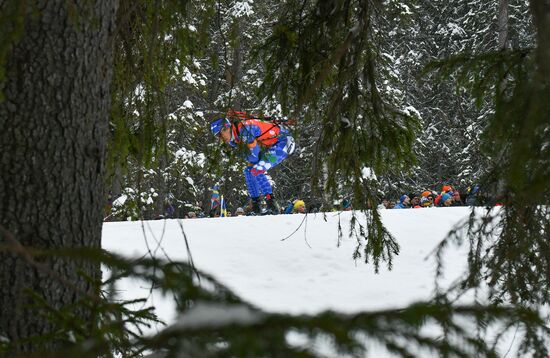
x: 267, y: 143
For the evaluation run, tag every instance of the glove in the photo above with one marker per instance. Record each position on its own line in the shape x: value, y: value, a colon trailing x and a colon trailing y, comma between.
x: 254, y: 154
x: 255, y: 171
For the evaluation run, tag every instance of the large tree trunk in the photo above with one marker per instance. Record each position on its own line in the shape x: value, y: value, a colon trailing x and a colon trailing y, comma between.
x: 53, y: 131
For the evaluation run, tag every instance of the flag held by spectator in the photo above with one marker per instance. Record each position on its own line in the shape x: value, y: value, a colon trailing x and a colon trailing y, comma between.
x: 215, y: 200
x: 223, y: 210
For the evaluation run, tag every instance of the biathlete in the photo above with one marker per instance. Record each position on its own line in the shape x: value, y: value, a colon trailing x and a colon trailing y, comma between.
x: 267, y: 144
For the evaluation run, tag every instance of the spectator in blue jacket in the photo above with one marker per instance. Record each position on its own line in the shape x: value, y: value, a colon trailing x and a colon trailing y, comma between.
x: 404, y: 202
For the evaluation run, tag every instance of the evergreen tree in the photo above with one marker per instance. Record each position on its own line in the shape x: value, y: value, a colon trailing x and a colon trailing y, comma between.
x: 57, y: 70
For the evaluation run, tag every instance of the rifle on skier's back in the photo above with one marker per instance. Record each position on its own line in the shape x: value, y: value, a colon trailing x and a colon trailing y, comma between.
x: 238, y: 116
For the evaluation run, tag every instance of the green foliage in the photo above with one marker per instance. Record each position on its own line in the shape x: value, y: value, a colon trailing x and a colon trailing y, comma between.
x: 481, y: 73
x: 116, y: 325
x: 335, y: 73
x: 324, y: 61
x: 515, y: 139
x: 155, y: 41
x: 508, y: 253
x: 379, y: 244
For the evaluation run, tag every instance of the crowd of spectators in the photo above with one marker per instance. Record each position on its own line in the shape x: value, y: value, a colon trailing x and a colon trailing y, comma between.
x: 447, y: 197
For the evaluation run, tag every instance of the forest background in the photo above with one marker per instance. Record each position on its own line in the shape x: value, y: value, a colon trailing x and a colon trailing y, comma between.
x: 173, y: 160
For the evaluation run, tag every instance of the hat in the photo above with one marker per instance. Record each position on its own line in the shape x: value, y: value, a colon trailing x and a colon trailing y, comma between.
x: 346, y: 203
x: 239, y: 210
x: 402, y: 198
x: 299, y: 203
x: 217, y: 126
x: 426, y: 193
x: 446, y: 188
x: 425, y: 201
x: 445, y: 197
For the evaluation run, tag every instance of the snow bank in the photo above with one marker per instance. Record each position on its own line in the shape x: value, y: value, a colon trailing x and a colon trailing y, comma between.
x: 305, y: 274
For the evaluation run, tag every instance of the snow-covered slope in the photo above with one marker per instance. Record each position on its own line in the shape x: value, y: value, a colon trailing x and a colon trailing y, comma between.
x: 310, y: 271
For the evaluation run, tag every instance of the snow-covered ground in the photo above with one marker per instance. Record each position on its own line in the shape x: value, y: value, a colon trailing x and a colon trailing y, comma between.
x: 308, y: 272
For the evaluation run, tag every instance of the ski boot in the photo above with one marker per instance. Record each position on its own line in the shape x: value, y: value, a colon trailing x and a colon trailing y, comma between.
x: 255, y: 207
x: 272, y: 207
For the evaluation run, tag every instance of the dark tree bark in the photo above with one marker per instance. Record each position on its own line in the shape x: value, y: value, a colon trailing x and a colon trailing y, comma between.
x: 53, y: 132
